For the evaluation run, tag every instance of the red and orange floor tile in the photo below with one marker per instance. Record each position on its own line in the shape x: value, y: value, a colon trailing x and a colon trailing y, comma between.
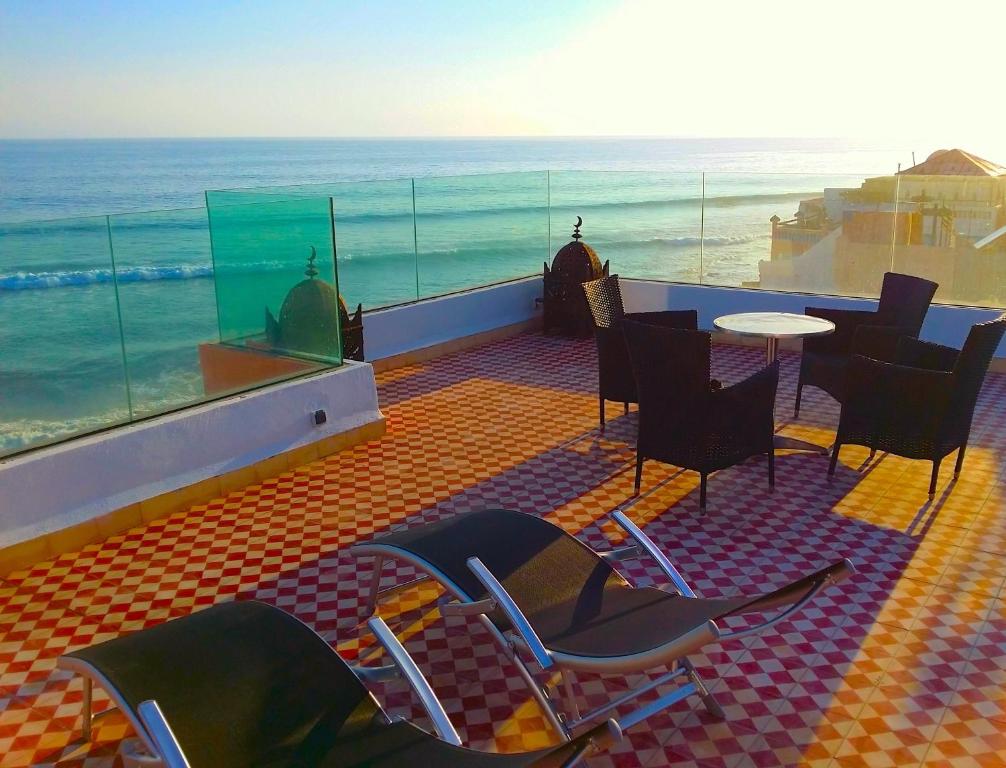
x: 903, y: 665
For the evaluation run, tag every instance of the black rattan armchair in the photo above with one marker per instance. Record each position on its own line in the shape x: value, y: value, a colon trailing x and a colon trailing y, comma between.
x: 614, y: 371
x: 682, y: 420
x: 904, y: 301
x: 920, y: 404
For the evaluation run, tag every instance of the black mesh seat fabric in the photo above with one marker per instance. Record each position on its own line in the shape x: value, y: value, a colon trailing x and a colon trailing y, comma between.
x: 904, y: 301
x: 234, y: 663
x: 245, y: 685
x: 920, y: 403
x: 576, y: 602
x: 682, y: 420
x: 615, y: 380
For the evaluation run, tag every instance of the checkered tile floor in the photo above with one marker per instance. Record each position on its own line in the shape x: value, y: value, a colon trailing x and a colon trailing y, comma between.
x: 901, y: 666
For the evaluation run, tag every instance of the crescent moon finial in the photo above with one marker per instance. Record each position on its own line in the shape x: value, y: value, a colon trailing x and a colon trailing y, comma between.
x: 576, y: 229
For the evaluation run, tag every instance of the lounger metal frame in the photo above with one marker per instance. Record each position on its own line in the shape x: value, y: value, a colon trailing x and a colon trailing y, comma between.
x: 522, y: 639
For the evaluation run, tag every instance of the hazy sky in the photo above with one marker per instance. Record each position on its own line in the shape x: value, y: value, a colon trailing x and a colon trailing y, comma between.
x: 89, y: 68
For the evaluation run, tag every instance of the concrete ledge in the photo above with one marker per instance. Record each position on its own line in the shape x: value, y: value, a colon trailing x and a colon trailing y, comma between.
x: 76, y: 537
x: 59, y: 498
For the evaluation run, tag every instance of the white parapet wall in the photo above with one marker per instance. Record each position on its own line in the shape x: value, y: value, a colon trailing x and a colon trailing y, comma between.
x: 54, y: 488
x: 409, y: 327
x: 944, y: 324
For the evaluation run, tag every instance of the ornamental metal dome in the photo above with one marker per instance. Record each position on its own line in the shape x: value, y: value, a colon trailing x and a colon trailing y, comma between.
x: 307, y: 321
x: 576, y: 261
x: 565, y: 303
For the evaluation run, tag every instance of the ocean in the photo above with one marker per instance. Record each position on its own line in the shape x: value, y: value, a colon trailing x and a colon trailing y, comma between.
x: 485, y: 210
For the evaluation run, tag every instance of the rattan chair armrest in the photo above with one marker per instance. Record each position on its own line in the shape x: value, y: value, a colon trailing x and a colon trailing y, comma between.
x: 653, y: 551
x: 441, y: 723
x: 513, y: 613
x: 925, y: 354
x: 168, y: 749
x: 846, y: 322
x: 748, y: 402
x: 898, y: 384
x: 687, y: 319
x: 878, y: 341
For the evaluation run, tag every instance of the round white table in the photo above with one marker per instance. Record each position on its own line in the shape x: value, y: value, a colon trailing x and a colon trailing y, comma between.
x: 773, y: 326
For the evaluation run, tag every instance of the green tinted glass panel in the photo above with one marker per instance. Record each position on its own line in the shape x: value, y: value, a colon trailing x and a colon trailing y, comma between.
x: 648, y: 225
x: 477, y: 230
x: 276, y: 285
x: 374, y: 233
x: 61, y: 369
x: 166, y: 298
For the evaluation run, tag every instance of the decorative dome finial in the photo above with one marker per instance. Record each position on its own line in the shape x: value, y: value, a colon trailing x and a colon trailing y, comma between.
x: 576, y: 228
x: 311, y: 271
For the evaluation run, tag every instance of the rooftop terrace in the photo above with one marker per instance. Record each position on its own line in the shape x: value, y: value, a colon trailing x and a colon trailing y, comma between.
x: 902, y: 665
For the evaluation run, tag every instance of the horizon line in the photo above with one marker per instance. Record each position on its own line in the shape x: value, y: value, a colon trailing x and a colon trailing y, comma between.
x: 487, y: 137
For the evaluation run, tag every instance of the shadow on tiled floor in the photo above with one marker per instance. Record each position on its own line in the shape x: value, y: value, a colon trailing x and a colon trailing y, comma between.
x: 902, y: 665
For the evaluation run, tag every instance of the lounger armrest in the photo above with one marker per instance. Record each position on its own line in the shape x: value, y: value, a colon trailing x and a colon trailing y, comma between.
x: 513, y: 613
x: 568, y: 754
x: 168, y: 749
x: 807, y: 587
x: 653, y: 551
x: 631, y: 552
x: 455, y: 608
x: 429, y: 700
x: 377, y: 674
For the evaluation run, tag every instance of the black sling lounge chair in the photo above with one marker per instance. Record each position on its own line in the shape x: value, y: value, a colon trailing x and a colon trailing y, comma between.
x: 244, y: 684
x: 545, y: 595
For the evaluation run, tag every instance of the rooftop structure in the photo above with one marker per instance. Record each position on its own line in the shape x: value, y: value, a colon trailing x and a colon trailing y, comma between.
x: 954, y: 162
x: 900, y: 666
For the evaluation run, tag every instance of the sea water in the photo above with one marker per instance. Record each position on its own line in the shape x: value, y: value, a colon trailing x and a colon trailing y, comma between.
x: 411, y: 221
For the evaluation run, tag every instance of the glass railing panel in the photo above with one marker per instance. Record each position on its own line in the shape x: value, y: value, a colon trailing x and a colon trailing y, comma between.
x: 952, y: 230
x: 164, y: 275
x: 376, y: 242
x: 276, y: 292
x: 375, y: 235
x: 61, y: 366
x: 827, y: 234
x: 478, y: 230
x: 647, y: 224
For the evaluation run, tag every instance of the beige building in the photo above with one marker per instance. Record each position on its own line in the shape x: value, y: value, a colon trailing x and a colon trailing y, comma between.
x: 926, y: 220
